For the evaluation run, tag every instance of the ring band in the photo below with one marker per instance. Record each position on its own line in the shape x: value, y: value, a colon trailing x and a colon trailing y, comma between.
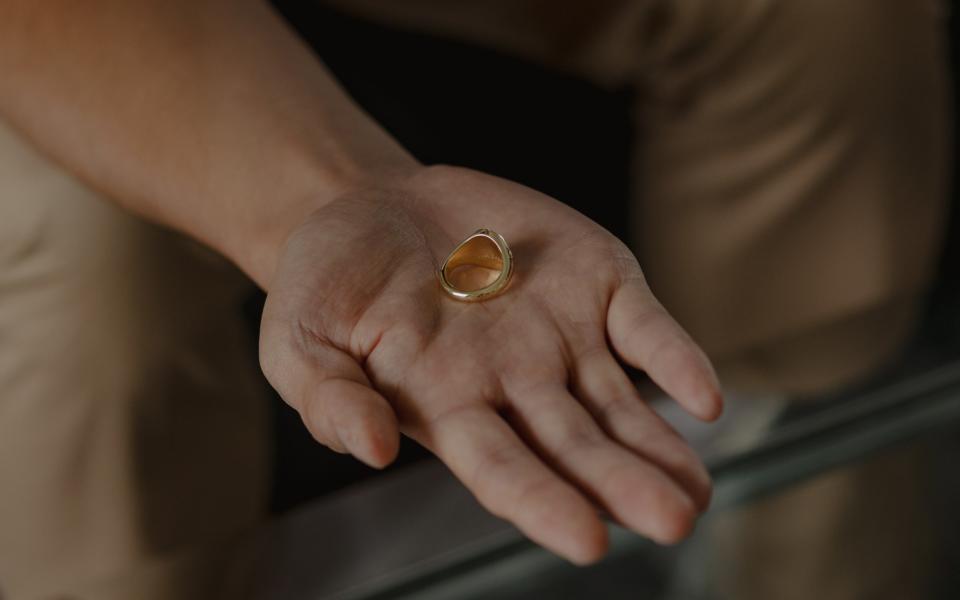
x: 484, y: 248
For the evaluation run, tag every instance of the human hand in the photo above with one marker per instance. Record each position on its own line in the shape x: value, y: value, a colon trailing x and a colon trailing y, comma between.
x: 520, y: 395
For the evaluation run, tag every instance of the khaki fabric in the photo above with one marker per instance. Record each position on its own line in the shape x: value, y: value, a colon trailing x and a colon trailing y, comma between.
x: 861, y: 531
x: 131, y: 423
x: 792, y: 177
x: 790, y: 183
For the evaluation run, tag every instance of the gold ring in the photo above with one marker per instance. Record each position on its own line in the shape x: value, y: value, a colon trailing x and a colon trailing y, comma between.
x: 486, y: 249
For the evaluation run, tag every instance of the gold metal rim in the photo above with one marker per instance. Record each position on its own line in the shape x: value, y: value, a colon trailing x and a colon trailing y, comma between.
x: 463, y: 255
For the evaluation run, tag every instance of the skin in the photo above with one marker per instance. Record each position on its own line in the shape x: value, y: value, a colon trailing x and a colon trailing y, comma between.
x: 215, y: 120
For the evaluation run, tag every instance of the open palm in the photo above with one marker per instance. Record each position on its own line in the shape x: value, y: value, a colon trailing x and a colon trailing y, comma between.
x: 521, y: 395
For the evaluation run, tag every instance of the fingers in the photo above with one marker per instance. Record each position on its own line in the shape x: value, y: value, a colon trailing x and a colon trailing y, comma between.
x: 634, y: 492
x: 609, y: 395
x: 512, y: 483
x: 648, y: 338
x: 334, y: 398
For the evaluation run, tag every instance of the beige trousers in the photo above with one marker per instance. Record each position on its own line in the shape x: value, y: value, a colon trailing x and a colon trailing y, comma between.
x: 790, y: 186
x: 126, y: 381
x: 867, y: 531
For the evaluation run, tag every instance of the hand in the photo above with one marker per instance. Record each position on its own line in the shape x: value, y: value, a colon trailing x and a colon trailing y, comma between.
x: 520, y: 395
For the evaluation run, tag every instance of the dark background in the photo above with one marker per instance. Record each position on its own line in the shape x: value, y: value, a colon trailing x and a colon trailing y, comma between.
x: 449, y: 102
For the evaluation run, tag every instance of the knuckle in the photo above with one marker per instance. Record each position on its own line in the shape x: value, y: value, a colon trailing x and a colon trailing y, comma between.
x: 615, y: 407
x: 439, y: 419
x: 577, y: 437
x: 643, y: 320
x: 493, y: 463
x: 533, y: 495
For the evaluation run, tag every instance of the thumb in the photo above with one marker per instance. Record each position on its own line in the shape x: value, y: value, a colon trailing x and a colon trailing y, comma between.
x: 334, y: 398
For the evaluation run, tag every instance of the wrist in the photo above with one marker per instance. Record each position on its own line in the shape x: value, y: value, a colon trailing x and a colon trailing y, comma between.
x: 279, y: 214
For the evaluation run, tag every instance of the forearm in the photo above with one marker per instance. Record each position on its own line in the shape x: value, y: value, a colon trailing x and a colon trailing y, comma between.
x: 209, y: 116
